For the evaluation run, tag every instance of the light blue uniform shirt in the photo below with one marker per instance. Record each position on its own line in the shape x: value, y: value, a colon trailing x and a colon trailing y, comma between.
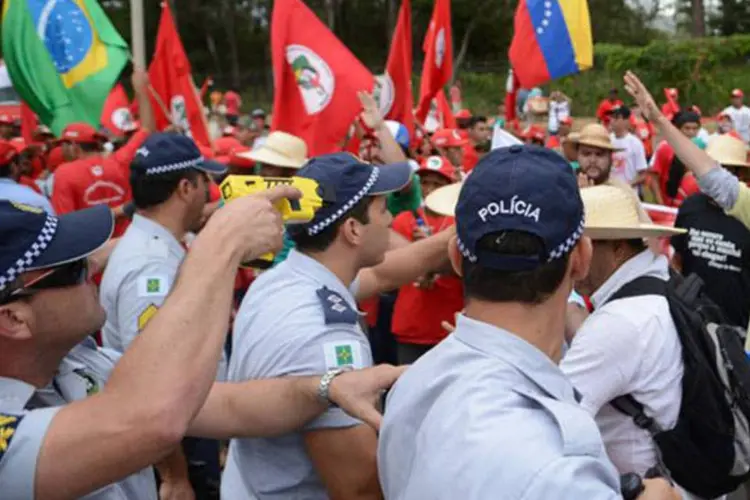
x: 28, y: 412
x: 13, y: 191
x: 138, y: 277
x: 486, y: 415
x: 297, y: 319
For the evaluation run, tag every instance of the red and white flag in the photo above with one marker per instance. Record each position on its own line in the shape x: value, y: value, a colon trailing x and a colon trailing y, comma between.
x: 116, y: 115
x: 393, y: 88
x: 316, y: 79
x: 172, y: 81
x: 438, y: 57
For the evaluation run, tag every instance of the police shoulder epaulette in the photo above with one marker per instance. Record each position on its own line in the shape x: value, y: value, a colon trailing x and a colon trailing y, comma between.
x: 8, y: 425
x: 336, y: 309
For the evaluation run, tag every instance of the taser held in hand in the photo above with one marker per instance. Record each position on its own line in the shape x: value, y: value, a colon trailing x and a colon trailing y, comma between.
x: 298, y: 211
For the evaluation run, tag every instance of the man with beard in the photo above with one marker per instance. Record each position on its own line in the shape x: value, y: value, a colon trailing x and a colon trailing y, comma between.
x: 170, y: 181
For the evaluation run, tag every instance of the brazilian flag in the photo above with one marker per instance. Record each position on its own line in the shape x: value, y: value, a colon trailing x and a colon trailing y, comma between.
x: 63, y: 57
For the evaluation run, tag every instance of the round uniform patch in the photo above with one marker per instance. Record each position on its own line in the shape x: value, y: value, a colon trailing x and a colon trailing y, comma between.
x: 314, y: 78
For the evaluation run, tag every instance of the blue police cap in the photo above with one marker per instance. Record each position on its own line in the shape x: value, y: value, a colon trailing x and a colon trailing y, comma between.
x: 167, y: 152
x: 348, y: 180
x: 520, y: 188
x: 32, y: 239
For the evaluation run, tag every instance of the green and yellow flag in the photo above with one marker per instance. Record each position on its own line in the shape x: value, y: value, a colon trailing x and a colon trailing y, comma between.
x: 63, y: 57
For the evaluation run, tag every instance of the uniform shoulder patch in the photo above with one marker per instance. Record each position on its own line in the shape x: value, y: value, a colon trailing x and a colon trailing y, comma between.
x: 146, y: 316
x: 8, y: 425
x: 336, y: 309
x: 152, y: 286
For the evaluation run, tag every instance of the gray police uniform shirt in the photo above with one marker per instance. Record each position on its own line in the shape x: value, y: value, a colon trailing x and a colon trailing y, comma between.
x: 297, y: 319
x: 487, y: 415
x: 26, y: 413
x: 138, y: 277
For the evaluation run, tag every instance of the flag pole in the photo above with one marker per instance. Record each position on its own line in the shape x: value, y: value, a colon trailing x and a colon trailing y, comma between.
x: 137, y: 32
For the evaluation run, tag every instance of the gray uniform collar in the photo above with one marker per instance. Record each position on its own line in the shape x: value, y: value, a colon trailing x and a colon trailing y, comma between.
x: 524, y: 357
x: 302, y: 264
x: 154, y: 229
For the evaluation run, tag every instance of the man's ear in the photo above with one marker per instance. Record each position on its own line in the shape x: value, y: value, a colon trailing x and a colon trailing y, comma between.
x: 15, y: 320
x: 580, y: 259
x: 352, y: 231
x: 457, y: 260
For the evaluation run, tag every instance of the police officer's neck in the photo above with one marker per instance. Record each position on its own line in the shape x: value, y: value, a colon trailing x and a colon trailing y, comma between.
x: 167, y: 217
x: 30, y: 364
x: 540, y: 325
x: 339, y: 262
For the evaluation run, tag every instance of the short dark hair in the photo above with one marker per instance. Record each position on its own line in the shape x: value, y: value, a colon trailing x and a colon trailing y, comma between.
x: 477, y: 119
x: 152, y: 190
x: 324, y: 239
x: 527, y: 287
x: 91, y: 147
x: 7, y: 169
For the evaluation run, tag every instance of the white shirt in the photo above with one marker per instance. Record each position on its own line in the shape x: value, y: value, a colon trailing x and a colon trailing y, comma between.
x: 740, y: 120
x: 557, y: 111
x: 626, y: 164
x: 628, y: 346
x: 486, y: 415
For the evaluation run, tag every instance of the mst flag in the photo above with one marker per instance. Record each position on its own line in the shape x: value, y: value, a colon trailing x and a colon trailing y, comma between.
x: 393, y: 88
x: 316, y: 79
x: 116, y: 115
x: 63, y: 58
x: 172, y: 81
x: 438, y: 57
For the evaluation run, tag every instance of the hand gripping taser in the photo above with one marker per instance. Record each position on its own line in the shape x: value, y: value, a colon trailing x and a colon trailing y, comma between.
x: 298, y: 211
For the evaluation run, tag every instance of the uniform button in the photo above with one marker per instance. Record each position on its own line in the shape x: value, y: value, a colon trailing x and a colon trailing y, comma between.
x: 516, y: 148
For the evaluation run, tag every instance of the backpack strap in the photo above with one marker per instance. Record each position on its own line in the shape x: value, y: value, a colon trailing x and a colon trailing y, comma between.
x: 645, y: 285
x: 628, y: 405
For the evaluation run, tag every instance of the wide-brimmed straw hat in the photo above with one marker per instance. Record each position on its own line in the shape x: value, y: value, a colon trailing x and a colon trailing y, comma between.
x: 443, y: 200
x: 280, y: 150
x: 728, y: 151
x: 612, y: 214
x: 596, y: 136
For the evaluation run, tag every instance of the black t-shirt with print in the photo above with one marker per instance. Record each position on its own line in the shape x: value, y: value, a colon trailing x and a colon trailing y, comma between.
x: 716, y: 248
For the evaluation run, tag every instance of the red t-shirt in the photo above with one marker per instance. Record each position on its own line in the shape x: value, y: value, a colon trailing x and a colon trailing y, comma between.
x: 233, y: 102
x: 471, y: 157
x: 553, y: 142
x: 418, y: 313
x: 604, y: 108
x: 661, y: 163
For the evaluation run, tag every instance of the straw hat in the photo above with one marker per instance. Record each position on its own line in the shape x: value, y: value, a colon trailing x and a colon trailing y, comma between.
x: 280, y: 150
x: 728, y: 151
x: 612, y: 214
x: 443, y: 200
x: 596, y: 136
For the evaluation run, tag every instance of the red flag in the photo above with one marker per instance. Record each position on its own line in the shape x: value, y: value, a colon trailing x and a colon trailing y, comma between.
x: 438, y: 58
x: 394, y: 87
x: 444, y: 111
x: 29, y: 123
x: 116, y: 115
x: 172, y: 81
x: 208, y: 82
x: 316, y: 79
x: 511, y: 96
x: 671, y: 107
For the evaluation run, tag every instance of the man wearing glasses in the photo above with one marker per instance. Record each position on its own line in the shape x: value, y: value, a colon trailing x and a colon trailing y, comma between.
x: 63, y: 432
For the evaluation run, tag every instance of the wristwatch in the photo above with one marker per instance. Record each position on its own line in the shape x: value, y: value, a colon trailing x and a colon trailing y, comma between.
x: 324, y: 386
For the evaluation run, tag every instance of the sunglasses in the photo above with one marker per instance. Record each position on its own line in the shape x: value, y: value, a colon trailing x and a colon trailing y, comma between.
x: 67, y: 275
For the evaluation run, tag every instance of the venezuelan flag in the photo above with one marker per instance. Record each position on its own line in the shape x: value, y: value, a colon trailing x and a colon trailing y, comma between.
x: 63, y: 57
x: 552, y: 39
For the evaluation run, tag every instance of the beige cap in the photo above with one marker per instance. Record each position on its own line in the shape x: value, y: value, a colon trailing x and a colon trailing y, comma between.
x: 612, y: 214
x: 728, y: 151
x: 281, y: 150
x: 596, y: 136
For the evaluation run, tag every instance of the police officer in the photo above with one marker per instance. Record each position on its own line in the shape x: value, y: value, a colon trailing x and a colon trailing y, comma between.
x: 63, y: 432
x: 301, y: 318
x: 170, y: 180
x: 487, y: 413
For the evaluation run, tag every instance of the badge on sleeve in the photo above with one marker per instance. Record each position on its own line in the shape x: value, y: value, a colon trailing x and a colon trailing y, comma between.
x: 336, y: 309
x: 343, y: 354
x: 152, y: 286
x: 146, y: 316
x: 8, y: 425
